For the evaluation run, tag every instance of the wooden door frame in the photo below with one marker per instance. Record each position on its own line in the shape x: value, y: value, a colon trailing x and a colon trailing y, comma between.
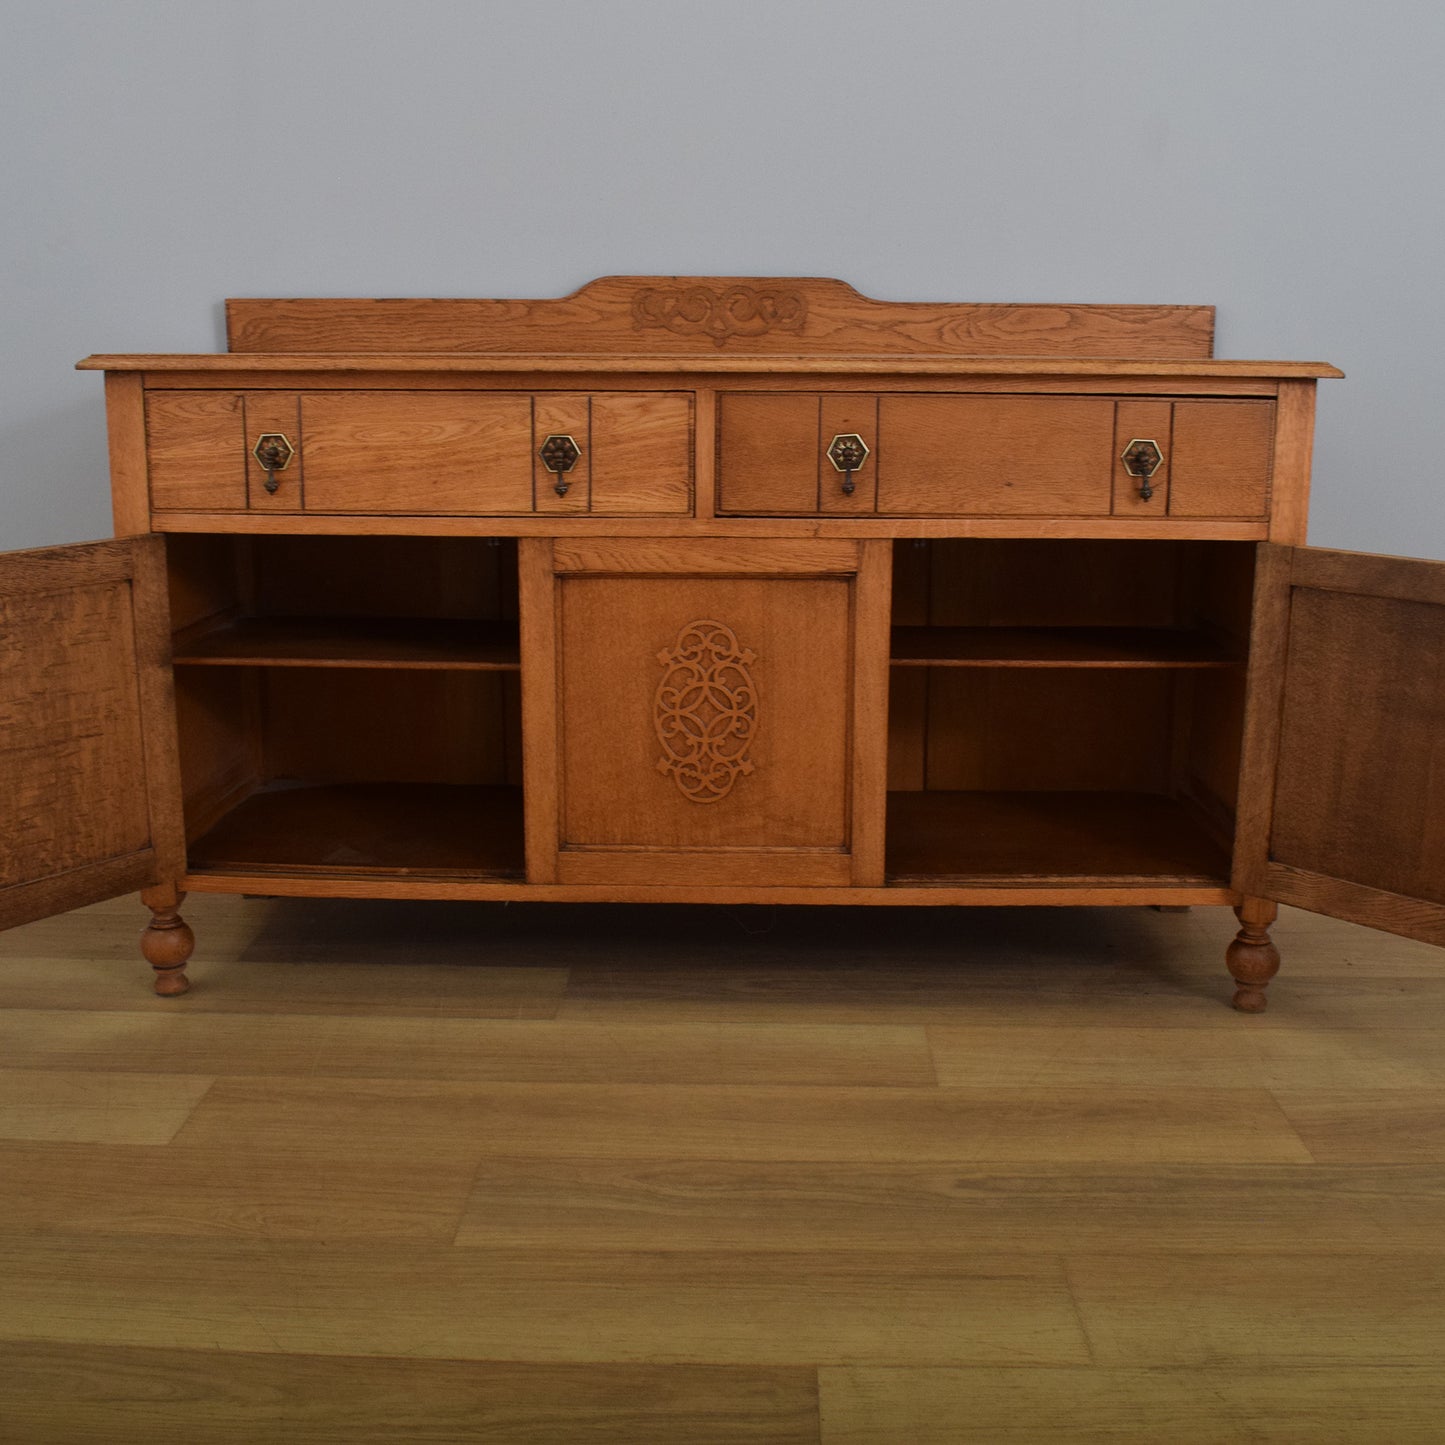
x: 140, y: 562
x: 1280, y: 571
x: 541, y: 562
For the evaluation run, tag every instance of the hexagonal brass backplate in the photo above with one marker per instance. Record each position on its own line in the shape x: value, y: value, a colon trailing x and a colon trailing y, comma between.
x: 847, y: 451
x: 559, y: 453
x: 1142, y: 457
x: 273, y: 452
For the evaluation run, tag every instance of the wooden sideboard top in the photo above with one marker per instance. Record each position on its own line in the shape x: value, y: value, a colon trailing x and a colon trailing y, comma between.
x: 537, y: 363
x: 715, y: 325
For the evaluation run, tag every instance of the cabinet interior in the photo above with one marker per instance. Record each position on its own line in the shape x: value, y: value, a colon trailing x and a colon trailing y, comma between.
x: 348, y: 703
x: 1059, y: 710
x: 1066, y: 709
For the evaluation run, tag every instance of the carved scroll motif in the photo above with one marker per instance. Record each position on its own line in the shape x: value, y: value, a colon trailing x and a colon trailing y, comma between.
x: 705, y: 711
x: 720, y: 314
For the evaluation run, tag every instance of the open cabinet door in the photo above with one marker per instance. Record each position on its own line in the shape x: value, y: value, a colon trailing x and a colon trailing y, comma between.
x: 89, y: 779
x: 1344, y: 780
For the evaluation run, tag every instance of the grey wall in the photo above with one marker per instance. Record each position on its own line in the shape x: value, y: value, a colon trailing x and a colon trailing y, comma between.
x: 1280, y: 160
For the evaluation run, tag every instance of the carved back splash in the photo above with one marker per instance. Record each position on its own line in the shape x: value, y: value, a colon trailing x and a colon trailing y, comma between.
x: 700, y: 316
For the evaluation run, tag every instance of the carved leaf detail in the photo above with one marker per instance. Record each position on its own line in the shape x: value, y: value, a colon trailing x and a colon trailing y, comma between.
x: 719, y: 313
x: 706, y: 711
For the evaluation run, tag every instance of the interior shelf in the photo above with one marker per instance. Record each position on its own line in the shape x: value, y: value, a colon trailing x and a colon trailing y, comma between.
x: 1059, y: 647
x: 394, y: 828
x: 950, y: 837
x: 354, y: 642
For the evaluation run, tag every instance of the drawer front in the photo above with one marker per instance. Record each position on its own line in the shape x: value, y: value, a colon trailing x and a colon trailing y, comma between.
x: 422, y: 453
x: 1220, y: 458
x: 993, y: 456
x: 196, y: 451
x: 417, y: 452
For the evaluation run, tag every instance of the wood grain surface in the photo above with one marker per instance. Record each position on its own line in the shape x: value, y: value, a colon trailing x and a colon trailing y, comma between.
x: 691, y: 315
x: 834, y: 1177
x: 88, y: 778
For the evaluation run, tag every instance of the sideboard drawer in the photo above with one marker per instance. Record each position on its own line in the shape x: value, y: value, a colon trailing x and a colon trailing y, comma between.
x: 415, y: 453
x: 996, y: 456
x: 991, y: 455
x: 419, y: 453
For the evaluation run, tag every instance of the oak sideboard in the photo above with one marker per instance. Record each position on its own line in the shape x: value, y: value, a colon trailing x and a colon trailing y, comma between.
x: 727, y: 590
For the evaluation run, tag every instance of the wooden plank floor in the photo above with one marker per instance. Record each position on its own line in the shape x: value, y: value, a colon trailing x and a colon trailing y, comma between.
x: 453, y: 1173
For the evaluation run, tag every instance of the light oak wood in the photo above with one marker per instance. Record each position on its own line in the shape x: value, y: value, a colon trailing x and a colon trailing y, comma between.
x: 758, y: 888
x: 562, y: 414
x: 353, y: 642
x: 370, y: 826
x: 89, y: 800
x: 125, y: 421
x: 1294, y: 431
x: 1024, y: 528
x: 605, y: 557
x: 283, y: 367
x: 770, y: 448
x: 643, y: 453
x: 1067, y: 717
x: 1108, y: 647
x: 1220, y: 459
x: 1142, y: 421
x: 688, y: 315
x: 413, y: 452
x: 999, y: 456
x: 197, y: 450
x: 845, y: 415
x: 950, y: 835
x: 279, y: 414
x: 1358, y: 802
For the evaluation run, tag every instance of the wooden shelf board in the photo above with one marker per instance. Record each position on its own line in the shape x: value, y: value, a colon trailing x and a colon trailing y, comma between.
x: 1058, y: 647
x: 1056, y: 837
x: 388, y: 642
x: 389, y: 828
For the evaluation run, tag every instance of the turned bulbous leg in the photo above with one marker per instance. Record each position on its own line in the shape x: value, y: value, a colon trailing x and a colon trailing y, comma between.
x: 1252, y: 958
x: 168, y: 941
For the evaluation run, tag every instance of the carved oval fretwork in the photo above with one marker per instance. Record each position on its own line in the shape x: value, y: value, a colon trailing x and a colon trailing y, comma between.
x: 721, y: 314
x: 706, y: 711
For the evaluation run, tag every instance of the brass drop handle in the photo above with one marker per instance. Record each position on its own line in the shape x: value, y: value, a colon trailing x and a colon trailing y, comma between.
x: 273, y: 453
x: 1142, y: 458
x: 559, y: 454
x: 847, y: 451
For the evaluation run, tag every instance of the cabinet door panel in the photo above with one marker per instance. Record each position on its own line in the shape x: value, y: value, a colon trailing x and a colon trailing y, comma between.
x: 417, y: 452
x: 89, y: 782
x: 995, y: 455
x: 705, y: 726
x: 1356, y: 681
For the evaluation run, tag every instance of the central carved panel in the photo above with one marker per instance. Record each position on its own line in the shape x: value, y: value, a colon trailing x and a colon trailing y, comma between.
x: 719, y: 314
x: 705, y: 711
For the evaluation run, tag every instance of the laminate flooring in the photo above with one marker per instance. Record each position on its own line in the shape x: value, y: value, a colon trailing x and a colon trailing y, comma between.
x: 454, y: 1173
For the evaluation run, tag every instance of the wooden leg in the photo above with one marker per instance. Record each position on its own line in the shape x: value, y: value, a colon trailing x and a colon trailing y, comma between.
x: 168, y: 942
x: 1252, y: 958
